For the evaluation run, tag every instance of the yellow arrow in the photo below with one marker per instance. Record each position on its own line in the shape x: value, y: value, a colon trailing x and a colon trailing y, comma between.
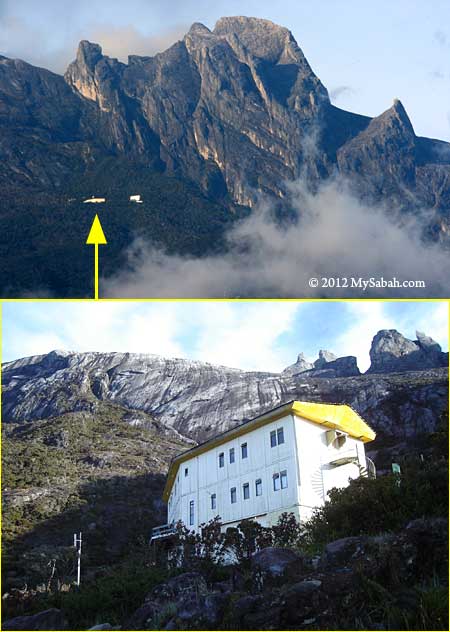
x: 96, y: 236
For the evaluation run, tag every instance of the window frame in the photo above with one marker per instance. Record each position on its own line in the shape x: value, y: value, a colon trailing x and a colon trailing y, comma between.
x: 258, y: 482
x: 246, y: 491
x: 186, y: 472
x: 280, y: 432
x: 233, y: 495
x: 276, y: 482
x: 244, y: 450
x: 214, y: 501
x: 191, y: 513
x: 284, y: 478
x: 221, y: 459
x: 232, y: 455
x: 273, y: 438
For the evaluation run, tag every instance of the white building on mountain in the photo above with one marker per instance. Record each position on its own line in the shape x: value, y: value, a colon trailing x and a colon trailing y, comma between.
x: 284, y: 460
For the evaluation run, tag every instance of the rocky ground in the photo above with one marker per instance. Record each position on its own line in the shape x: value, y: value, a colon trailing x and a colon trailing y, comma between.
x: 357, y: 583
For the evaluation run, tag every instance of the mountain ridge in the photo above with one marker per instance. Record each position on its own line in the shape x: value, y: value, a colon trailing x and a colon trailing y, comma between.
x: 233, y: 114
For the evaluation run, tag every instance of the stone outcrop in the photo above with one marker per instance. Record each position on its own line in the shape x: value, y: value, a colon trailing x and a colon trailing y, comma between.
x: 52, y: 619
x: 236, y: 109
x: 199, y: 400
x: 221, y: 119
x: 301, y: 365
x: 391, y: 351
x: 327, y: 365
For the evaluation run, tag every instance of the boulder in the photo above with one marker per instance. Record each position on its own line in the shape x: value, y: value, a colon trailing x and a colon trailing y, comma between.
x: 340, y: 552
x: 179, y: 586
x: 141, y: 618
x: 274, y: 560
x: 52, y: 619
x: 195, y: 610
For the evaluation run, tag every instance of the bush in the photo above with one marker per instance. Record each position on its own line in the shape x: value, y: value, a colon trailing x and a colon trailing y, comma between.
x: 372, y: 506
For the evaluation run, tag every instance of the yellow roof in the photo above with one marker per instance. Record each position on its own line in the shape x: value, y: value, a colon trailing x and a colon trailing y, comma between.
x: 339, y: 416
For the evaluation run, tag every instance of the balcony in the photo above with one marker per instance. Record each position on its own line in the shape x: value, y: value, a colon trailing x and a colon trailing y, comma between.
x: 163, y: 532
x: 342, y: 457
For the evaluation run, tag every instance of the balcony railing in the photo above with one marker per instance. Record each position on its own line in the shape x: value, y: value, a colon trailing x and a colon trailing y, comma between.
x: 162, y: 531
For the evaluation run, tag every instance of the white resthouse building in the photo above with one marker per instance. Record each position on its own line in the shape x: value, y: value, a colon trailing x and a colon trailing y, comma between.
x: 284, y: 460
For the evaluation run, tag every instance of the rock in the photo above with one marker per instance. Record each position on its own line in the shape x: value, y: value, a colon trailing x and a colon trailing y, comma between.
x: 324, y: 358
x: 199, y: 400
x: 391, y: 351
x: 195, y: 610
x: 274, y: 560
x: 341, y: 367
x: 301, y: 365
x: 340, y: 552
x: 180, y: 585
x: 143, y: 616
x: 52, y: 619
x: 58, y: 440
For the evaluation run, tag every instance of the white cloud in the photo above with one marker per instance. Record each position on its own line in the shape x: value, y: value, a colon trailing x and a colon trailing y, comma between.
x: 336, y: 235
x: 247, y: 336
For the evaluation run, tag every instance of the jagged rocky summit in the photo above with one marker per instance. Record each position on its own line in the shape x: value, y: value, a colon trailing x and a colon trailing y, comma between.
x: 203, y: 130
x: 236, y: 109
x: 198, y: 400
x: 391, y: 351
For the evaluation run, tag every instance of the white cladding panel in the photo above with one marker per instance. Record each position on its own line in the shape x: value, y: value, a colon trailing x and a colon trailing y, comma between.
x: 319, y: 470
x: 205, y: 477
x: 306, y: 455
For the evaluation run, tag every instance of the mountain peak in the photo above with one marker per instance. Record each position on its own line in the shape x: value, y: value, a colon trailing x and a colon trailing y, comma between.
x: 262, y: 38
x: 199, y: 29
x: 89, y: 53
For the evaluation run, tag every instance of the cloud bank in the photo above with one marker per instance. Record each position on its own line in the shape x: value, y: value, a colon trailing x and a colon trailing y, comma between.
x: 336, y: 235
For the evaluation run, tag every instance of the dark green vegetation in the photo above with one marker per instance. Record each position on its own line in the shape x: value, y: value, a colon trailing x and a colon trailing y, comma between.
x: 233, y: 114
x: 46, y: 248
x: 99, y: 471
x: 391, y: 574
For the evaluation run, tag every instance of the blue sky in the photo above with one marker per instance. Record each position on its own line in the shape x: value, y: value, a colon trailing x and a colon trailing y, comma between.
x: 366, y: 53
x: 264, y: 336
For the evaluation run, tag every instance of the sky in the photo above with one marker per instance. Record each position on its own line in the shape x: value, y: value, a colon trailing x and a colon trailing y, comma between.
x: 250, y: 335
x: 365, y: 53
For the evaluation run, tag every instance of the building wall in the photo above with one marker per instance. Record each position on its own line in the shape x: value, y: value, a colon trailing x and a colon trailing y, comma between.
x: 316, y: 472
x: 205, y: 477
x: 305, y: 455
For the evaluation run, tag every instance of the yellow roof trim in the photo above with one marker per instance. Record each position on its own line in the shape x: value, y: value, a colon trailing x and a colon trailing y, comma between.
x: 338, y: 416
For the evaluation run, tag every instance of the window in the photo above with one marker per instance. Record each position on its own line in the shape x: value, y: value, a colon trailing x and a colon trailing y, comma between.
x: 276, y: 482
x: 221, y: 459
x: 244, y: 451
x: 276, y: 437
x: 283, y: 476
x: 186, y: 471
x: 231, y: 455
x: 213, y: 501
x: 191, y: 512
x: 258, y: 487
x: 246, y: 491
x: 233, y: 494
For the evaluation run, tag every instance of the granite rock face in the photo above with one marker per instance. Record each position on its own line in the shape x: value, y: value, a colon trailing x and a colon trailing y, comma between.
x: 391, y: 351
x: 236, y: 110
x: 199, y: 400
x: 326, y: 365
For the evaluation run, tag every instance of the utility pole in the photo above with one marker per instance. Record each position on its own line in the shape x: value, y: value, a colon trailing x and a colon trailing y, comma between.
x: 77, y: 545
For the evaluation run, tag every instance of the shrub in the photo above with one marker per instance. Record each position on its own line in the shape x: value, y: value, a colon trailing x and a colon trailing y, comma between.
x: 371, y: 506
